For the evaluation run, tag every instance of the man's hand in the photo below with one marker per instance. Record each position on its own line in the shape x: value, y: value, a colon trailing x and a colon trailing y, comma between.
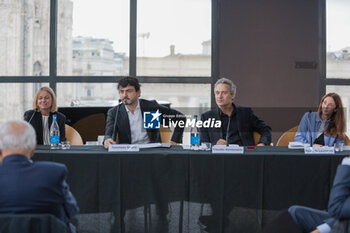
x: 108, y: 142
x: 315, y: 231
x: 174, y: 143
x: 260, y: 144
x: 221, y: 142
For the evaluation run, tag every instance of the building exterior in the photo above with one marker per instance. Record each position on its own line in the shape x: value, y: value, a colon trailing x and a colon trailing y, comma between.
x: 24, y: 42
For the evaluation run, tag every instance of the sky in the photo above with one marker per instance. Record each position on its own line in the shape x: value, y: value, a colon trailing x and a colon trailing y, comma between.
x: 183, y: 23
x: 338, y: 24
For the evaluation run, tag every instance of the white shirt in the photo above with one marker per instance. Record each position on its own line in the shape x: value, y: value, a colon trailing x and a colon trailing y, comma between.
x: 138, y: 133
x: 46, y: 131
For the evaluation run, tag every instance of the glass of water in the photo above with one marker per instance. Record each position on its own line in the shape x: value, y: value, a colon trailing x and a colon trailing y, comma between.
x: 65, y: 145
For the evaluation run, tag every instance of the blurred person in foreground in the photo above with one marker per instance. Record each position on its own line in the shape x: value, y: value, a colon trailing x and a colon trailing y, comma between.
x: 31, y: 187
x: 312, y: 220
x: 40, y: 117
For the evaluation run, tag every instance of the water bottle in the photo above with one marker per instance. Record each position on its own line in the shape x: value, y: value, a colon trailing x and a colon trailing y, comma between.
x: 54, y: 134
x: 195, y: 138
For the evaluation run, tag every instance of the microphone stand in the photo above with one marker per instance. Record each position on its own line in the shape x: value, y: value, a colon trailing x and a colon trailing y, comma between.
x: 35, y: 110
x: 115, y: 121
x: 309, y: 122
x: 227, y: 130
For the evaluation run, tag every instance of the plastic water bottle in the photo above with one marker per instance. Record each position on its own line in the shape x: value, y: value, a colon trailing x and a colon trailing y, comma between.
x: 54, y: 134
x: 195, y: 137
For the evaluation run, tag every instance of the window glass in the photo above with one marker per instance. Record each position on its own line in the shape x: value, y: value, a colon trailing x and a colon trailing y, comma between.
x: 343, y: 92
x: 24, y: 38
x: 174, y: 37
x: 16, y: 98
x: 338, y: 39
x: 93, y: 37
x: 106, y: 94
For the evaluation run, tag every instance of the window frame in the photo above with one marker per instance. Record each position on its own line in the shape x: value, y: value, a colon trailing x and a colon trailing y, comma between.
x: 53, y: 78
x: 323, y: 81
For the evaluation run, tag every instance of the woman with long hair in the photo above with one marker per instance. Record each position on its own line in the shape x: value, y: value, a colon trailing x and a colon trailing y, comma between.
x: 327, y: 125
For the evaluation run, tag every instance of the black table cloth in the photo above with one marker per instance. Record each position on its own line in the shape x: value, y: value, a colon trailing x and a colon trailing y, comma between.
x: 167, y: 190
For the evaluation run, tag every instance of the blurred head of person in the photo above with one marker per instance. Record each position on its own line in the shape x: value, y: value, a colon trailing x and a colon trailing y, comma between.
x: 331, y: 108
x: 45, y: 100
x: 17, y: 137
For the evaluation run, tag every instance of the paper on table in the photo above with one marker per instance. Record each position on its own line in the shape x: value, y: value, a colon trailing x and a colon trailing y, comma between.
x: 296, y: 145
x: 150, y: 145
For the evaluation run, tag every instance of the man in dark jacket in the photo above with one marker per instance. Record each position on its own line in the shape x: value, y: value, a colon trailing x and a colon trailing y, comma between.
x: 237, y: 127
x: 238, y: 123
x: 28, y: 187
x: 126, y: 120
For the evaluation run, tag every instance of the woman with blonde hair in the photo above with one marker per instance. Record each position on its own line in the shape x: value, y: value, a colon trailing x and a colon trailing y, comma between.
x: 327, y: 125
x: 40, y: 117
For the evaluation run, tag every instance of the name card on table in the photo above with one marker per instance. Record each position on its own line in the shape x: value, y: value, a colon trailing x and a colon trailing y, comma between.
x: 123, y: 148
x: 318, y: 150
x: 231, y: 149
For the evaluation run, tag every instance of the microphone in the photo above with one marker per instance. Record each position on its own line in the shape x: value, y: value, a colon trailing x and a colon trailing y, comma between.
x: 35, y: 111
x: 309, y: 127
x: 227, y: 130
x: 116, y: 119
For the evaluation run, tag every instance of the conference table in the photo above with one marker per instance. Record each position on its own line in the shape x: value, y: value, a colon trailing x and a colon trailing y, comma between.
x: 169, y: 189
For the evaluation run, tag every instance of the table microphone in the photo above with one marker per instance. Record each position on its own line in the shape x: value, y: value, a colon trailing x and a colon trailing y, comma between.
x: 227, y: 130
x: 35, y: 111
x: 116, y: 119
x: 308, y: 118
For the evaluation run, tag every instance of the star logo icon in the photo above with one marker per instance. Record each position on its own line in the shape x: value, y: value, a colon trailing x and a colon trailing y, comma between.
x: 151, y: 120
x: 156, y: 115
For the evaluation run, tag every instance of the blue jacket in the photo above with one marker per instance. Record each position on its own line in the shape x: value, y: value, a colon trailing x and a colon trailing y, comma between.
x: 303, y: 134
x: 40, y: 187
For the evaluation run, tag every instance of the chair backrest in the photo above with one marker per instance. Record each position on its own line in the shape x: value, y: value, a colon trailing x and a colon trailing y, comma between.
x: 91, y: 126
x: 73, y: 136
x: 31, y: 223
x: 287, y: 136
x: 347, y: 141
x: 165, y: 134
x: 257, y: 137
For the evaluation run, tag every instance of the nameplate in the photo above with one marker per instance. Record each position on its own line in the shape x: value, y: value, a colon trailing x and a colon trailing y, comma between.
x: 318, y: 150
x: 222, y: 149
x: 123, y: 148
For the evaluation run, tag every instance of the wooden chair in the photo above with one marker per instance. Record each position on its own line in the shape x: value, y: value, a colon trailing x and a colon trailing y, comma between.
x: 165, y: 134
x: 73, y: 136
x: 287, y: 136
x: 257, y: 137
x: 347, y: 141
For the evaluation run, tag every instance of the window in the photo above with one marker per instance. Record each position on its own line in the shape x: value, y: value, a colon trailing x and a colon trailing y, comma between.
x: 94, y: 43
x: 93, y: 37
x: 338, y: 52
x: 338, y: 39
x: 24, y: 38
x: 16, y: 98
x: 171, y: 41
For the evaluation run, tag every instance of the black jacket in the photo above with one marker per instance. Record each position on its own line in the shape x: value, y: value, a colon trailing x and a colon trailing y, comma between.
x: 247, y: 123
x: 123, y: 126
x: 35, y: 119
